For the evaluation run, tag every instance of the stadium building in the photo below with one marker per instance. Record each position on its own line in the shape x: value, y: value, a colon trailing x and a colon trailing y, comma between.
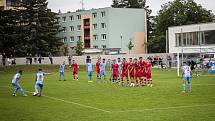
x: 192, y: 39
x: 106, y: 29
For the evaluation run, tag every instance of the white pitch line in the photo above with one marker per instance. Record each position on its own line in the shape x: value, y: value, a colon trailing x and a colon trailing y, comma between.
x: 176, y: 107
x: 204, y: 84
x: 70, y: 102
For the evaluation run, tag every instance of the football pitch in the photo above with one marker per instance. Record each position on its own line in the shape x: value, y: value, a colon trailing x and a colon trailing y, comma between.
x: 73, y: 100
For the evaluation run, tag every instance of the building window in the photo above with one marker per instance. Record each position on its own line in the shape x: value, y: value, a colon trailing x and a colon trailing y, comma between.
x: 103, y: 25
x: 64, y: 29
x: 103, y: 13
x: 95, y: 37
x: 104, y: 36
x: 209, y: 37
x: 64, y: 39
x: 79, y: 38
x: 94, y: 15
x: 94, y: 26
x: 64, y: 19
x: 78, y: 27
x: 104, y: 46
x: 71, y: 18
x: 95, y: 46
x: 72, y: 39
x: 78, y: 17
x: 72, y: 28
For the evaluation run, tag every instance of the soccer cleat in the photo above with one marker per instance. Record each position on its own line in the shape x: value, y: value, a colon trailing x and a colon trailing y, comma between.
x: 151, y: 85
x: 90, y: 81
x: 14, y: 95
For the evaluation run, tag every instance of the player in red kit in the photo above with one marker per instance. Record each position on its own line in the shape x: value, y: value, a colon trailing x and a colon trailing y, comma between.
x: 74, y: 67
x: 142, y: 70
x: 131, y: 71
x: 115, y: 68
x: 124, y: 71
x: 148, y: 73
x: 98, y: 68
x: 137, y: 71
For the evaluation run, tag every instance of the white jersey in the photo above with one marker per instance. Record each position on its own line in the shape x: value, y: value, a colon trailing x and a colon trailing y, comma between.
x: 16, y: 78
x: 40, y: 77
x: 186, y: 71
x: 120, y: 65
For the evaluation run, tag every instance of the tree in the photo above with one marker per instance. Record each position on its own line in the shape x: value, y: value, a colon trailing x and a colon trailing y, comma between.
x: 29, y: 28
x: 130, y: 45
x: 79, y: 48
x: 176, y: 13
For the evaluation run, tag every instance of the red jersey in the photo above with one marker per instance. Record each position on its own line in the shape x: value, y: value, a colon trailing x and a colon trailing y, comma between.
x: 115, y: 68
x: 98, y: 67
x: 131, y: 69
x: 125, y: 66
x: 148, y: 70
x: 74, y: 68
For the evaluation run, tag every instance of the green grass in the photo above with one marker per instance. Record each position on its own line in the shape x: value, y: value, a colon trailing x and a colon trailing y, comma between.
x: 83, y: 101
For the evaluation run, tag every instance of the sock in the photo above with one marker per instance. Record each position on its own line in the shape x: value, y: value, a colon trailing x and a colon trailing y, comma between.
x: 189, y: 87
x: 183, y: 87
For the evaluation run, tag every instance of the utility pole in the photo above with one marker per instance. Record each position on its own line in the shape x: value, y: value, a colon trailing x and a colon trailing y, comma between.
x: 82, y: 4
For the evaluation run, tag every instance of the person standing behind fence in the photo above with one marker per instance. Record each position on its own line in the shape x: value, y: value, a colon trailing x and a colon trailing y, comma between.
x: 169, y: 59
x: 70, y: 60
x: 4, y: 59
x: 51, y: 58
x: 0, y: 59
x: 40, y: 59
x: 30, y: 58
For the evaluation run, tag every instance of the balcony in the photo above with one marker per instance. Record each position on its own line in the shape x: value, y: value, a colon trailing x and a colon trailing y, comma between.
x: 86, y: 26
x: 87, y: 38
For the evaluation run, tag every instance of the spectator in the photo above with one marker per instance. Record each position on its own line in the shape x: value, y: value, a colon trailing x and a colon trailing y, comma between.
x: 35, y: 58
x: 4, y: 59
x: 51, y: 58
x: 70, y: 60
x: 0, y: 59
x: 40, y: 59
x: 27, y: 58
x: 13, y: 60
x: 169, y: 60
x: 30, y: 58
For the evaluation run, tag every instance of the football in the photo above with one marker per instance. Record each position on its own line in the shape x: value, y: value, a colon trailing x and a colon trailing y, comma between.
x: 34, y: 94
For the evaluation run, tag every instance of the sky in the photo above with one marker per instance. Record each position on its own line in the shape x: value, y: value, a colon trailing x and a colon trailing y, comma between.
x: 155, y: 5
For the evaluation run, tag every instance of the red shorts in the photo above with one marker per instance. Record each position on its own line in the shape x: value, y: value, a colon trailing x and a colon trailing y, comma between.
x: 97, y: 71
x: 148, y: 75
x: 115, y: 74
x: 138, y: 74
x: 75, y: 72
x: 124, y: 74
x: 144, y: 74
x: 132, y: 75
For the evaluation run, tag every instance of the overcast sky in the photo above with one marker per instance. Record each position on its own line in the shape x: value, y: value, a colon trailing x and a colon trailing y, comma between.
x: 155, y: 5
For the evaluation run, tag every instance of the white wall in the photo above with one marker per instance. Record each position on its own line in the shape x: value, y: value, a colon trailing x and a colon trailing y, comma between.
x: 82, y: 59
x: 189, y: 28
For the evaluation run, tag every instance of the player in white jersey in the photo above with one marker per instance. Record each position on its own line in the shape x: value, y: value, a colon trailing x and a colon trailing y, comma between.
x: 61, y: 71
x: 16, y: 85
x: 186, y: 77
x: 119, y: 62
x: 39, y: 82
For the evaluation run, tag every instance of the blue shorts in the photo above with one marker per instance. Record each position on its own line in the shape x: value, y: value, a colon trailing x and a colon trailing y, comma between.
x: 16, y: 85
x: 102, y: 72
x: 39, y: 84
x: 186, y: 79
